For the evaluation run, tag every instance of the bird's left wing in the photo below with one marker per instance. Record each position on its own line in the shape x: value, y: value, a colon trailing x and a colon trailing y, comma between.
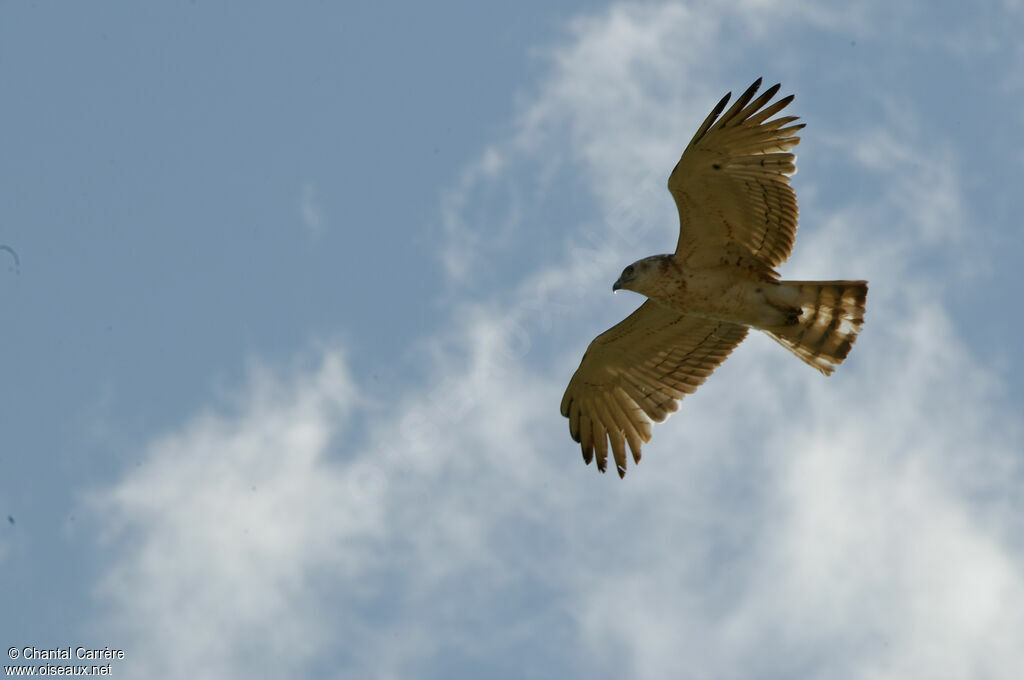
x: 731, y: 184
x: 635, y: 373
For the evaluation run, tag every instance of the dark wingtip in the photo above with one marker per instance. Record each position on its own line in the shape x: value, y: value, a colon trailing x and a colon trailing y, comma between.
x: 622, y: 471
x: 566, y: 405
x: 715, y: 113
x: 754, y: 86
x: 747, y: 95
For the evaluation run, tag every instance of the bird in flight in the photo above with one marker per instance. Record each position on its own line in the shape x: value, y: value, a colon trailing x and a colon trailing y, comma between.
x: 737, y: 223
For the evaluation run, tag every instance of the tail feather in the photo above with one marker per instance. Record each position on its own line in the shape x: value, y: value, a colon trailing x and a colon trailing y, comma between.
x: 831, y: 316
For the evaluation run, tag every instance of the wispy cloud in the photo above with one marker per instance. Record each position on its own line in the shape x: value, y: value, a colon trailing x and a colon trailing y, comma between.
x: 781, y: 524
x: 311, y: 211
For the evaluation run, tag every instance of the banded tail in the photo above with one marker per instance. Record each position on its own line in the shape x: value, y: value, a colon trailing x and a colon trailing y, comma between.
x: 831, y: 316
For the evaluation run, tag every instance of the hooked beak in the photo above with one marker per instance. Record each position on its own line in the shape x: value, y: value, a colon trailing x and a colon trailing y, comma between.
x: 617, y: 285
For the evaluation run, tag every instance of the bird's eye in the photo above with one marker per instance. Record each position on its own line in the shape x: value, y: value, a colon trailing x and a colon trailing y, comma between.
x: 628, y: 272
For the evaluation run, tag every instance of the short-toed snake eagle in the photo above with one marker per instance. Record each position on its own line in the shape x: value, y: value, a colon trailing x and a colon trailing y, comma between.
x: 737, y: 215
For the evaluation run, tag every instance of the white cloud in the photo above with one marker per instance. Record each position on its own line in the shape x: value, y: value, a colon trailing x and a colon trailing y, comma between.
x: 223, y: 531
x: 781, y: 524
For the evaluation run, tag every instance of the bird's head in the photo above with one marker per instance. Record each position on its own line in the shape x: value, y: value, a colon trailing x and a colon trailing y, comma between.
x: 643, y: 276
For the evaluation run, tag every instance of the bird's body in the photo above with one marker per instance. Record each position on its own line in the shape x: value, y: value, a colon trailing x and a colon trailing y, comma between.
x: 738, y: 219
x: 723, y: 292
x: 731, y: 292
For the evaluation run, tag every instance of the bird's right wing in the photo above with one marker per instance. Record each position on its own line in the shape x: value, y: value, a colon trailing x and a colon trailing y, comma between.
x: 731, y: 185
x: 636, y: 372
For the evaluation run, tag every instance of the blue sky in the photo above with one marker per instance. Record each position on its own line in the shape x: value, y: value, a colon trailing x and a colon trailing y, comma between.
x: 300, y: 287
